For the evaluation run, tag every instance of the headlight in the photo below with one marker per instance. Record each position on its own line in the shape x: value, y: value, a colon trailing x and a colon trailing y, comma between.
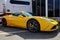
x: 50, y: 20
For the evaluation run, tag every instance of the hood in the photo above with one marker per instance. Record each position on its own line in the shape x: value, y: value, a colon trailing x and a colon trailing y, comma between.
x: 34, y: 16
x: 44, y: 18
x: 39, y: 17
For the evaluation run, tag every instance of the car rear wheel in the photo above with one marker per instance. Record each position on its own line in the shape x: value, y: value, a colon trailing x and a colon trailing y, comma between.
x: 33, y: 26
x: 4, y: 22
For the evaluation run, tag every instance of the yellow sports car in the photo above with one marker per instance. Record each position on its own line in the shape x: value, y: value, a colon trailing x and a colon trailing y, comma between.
x: 27, y: 21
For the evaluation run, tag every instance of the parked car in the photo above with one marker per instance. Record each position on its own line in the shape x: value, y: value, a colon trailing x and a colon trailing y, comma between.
x: 27, y: 21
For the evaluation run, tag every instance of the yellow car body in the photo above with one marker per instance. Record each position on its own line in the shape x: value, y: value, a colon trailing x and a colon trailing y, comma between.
x: 46, y: 24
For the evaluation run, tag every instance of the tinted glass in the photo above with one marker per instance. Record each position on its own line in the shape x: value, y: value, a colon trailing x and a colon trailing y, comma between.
x: 53, y: 6
x: 19, y: 2
x: 28, y: 14
x: 56, y: 8
x: 50, y: 8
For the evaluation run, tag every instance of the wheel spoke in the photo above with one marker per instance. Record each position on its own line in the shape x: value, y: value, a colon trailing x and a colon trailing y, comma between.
x: 33, y: 26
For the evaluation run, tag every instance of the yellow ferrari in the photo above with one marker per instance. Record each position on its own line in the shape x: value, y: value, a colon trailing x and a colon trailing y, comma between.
x: 27, y: 21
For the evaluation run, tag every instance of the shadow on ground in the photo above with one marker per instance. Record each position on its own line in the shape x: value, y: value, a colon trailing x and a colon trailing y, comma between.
x: 29, y: 35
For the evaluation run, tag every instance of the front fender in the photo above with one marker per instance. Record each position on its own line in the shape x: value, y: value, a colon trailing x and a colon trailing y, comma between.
x: 45, y: 25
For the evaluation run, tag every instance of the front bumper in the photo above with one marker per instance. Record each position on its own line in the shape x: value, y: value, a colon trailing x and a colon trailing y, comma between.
x: 54, y: 28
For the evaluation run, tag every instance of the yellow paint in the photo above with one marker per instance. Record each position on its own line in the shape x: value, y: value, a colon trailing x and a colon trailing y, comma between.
x: 21, y: 22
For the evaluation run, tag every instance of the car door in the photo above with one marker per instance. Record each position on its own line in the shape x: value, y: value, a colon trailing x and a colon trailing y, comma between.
x: 12, y: 20
x: 18, y: 20
x: 21, y: 21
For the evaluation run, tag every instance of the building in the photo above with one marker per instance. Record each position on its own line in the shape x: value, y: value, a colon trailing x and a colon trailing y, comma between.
x: 12, y: 6
x: 53, y: 8
x: 48, y: 8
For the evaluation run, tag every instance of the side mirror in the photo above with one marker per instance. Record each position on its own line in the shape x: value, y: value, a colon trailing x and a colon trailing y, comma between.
x: 20, y: 16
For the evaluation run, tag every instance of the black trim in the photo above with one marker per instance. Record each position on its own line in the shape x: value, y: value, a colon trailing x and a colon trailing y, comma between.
x: 54, y: 27
x: 19, y: 2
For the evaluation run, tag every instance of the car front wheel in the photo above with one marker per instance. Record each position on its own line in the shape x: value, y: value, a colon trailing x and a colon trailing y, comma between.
x: 33, y: 26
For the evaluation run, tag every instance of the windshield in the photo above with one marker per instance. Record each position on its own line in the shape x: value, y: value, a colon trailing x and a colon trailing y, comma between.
x: 28, y: 14
x: 22, y: 13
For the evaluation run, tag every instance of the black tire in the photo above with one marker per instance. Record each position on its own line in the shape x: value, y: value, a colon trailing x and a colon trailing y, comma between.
x: 4, y: 22
x: 33, y: 25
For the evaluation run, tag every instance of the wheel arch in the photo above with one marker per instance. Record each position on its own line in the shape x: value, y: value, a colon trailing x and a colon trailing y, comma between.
x: 4, y: 19
x: 33, y: 19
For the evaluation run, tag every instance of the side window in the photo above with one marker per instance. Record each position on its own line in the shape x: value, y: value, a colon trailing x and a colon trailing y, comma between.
x: 19, y: 2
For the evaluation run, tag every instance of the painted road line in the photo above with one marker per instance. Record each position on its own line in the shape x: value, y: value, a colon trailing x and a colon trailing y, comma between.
x: 5, y: 33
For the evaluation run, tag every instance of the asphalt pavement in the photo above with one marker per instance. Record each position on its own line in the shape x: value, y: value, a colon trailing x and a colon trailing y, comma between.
x: 9, y: 33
